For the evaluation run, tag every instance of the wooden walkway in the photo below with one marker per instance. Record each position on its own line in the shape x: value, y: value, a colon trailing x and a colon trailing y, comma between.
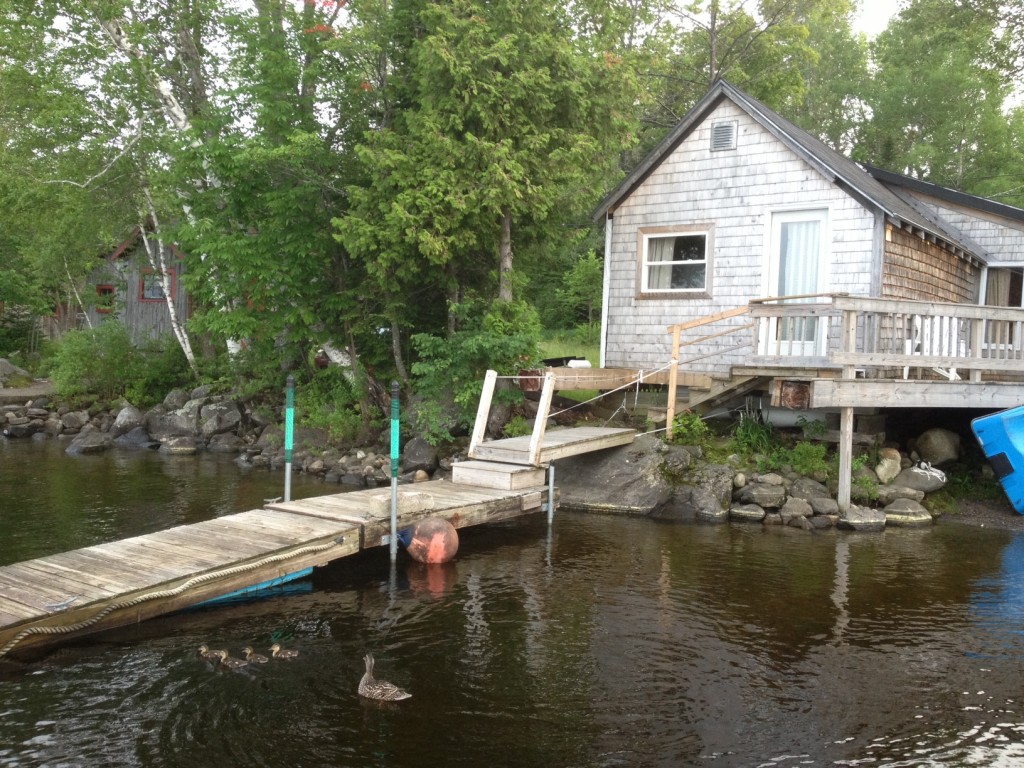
x: 54, y: 598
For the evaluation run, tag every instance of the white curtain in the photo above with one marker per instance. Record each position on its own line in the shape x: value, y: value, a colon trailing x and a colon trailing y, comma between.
x: 799, y: 247
x: 660, y: 249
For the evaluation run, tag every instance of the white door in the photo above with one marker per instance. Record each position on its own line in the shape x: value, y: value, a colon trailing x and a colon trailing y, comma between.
x: 797, y: 266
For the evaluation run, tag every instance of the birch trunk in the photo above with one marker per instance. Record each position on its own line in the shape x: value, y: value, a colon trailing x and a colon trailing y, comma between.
x: 505, y: 257
x: 157, y: 257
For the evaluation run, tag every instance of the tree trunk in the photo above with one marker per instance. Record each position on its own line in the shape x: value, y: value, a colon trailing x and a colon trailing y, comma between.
x: 158, y: 261
x: 505, y: 257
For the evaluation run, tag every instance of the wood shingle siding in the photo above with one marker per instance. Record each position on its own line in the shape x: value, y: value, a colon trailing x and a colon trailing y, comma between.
x: 915, y: 268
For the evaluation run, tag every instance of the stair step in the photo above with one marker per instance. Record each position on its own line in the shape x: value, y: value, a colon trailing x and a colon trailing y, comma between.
x: 494, y: 474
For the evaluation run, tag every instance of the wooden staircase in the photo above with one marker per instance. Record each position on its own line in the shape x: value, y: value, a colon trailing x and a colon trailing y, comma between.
x: 521, y: 462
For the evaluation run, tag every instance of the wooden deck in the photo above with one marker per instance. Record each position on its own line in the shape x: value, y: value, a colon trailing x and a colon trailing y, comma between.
x: 58, y: 597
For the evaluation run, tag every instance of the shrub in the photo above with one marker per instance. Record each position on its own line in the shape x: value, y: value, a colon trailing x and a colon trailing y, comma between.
x: 101, y: 361
x: 327, y: 402
x: 753, y: 435
x: 688, y: 428
x: 808, y: 459
x: 452, y: 368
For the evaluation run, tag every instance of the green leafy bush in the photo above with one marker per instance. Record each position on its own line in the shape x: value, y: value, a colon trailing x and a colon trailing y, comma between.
x: 101, y: 362
x: 688, y: 428
x: 327, y: 402
x: 161, y: 367
x: 753, y: 435
x: 809, y: 459
x: 451, y: 369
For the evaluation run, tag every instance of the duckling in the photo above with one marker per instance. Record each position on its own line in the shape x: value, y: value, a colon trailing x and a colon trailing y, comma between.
x: 252, y: 657
x: 381, y: 690
x: 277, y: 652
x: 230, y: 661
x: 204, y: 652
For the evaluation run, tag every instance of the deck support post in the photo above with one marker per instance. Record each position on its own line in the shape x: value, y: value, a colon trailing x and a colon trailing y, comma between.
x: 483, y: 410
x: 551, y: 492
x: 848, y: 343
x: 543, y: 408
x: 673, y: 381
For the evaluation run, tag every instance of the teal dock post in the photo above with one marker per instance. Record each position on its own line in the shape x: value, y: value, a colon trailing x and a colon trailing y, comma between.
x: 393, y: 541
x: 289, y: 435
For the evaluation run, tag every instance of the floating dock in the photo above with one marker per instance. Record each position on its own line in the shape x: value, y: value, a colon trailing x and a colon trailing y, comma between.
x: 55, y: 598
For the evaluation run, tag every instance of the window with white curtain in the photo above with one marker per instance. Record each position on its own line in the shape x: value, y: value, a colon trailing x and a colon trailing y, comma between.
x: 675, y: 262
x: 1004, y: 288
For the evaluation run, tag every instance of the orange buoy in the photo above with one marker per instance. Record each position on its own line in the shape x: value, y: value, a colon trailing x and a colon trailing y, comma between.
x: 433, y: 540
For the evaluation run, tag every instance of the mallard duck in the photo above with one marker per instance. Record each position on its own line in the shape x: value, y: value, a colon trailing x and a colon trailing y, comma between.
x: 380, y: 690
x: 278, y: 652
x: 252, y: 657
x: 204, y: 652
x: 230, y: 661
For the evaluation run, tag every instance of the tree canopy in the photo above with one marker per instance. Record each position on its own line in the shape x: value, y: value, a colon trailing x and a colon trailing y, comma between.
x: 347, y: 174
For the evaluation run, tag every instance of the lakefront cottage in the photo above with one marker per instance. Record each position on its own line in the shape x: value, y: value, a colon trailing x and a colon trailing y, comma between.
x: 739, y: 205
x: 127, y: 287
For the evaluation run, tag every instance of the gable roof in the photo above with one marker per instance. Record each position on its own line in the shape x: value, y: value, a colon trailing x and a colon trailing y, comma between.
x: 834, y: 166
x: 952, y: 196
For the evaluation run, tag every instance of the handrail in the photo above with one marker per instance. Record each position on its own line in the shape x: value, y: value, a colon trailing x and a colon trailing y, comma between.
x: 673, y: 371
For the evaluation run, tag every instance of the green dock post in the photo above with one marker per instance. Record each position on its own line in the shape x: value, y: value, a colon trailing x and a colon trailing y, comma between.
x: 393, y: 541
x: 289, y: 436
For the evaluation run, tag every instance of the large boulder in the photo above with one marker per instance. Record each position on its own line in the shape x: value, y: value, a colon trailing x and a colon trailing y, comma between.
x: 128, y: 418
x: 218, y: 418
x: 921, y: 478
x: 419, y: 454
x: 90, y: 440
x: 938, y: 446
x: 862, y: 519
x: 625, y: 479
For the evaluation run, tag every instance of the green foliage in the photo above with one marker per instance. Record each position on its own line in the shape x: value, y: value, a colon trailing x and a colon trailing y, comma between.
x: 451, y: 369
x: 753, y: 435
x: 812, y: 428
x: 809, y: 459
x: 518, y: 426
x: 161, y: 367
x: 326, y: 401
x: 688, y: 428
x: 580, y: 296
x: 102, y: 362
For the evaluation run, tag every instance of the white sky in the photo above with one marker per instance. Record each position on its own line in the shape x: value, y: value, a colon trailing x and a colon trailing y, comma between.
x: 874, y: 16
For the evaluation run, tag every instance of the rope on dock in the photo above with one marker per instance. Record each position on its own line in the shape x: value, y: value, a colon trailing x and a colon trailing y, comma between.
x: 195, y: 580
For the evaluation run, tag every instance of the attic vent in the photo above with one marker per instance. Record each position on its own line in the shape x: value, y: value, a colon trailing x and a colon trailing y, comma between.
x: 723, y: 136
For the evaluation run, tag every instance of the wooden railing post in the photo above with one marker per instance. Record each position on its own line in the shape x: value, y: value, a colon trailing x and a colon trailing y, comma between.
x: 673, y: 379
x: 543, y: 408
x: 483, y: 410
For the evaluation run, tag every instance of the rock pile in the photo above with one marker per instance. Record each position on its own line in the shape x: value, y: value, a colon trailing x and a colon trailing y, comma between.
x: 187, y: 423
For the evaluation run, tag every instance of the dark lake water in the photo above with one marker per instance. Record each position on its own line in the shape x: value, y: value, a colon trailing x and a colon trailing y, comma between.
x: 601, y: 641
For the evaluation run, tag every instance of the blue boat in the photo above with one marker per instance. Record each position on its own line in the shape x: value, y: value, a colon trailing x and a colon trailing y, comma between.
x: 1001, y: 436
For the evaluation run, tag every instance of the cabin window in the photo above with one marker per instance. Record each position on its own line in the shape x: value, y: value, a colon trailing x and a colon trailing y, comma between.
x: 675, y: 262
x: 723, y: 135
x: 151, y: 287
x: 105, y: 295
x: 1004, y: 288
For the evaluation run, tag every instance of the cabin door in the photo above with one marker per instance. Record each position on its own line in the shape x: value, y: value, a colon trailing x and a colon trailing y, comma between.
x: 797, y: 266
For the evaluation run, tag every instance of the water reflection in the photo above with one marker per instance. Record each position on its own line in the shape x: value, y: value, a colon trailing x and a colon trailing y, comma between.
x: 600, y: 641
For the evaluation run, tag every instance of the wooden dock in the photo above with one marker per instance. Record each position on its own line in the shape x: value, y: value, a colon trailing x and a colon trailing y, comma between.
x: 58, y: 597
x: 55, y: 598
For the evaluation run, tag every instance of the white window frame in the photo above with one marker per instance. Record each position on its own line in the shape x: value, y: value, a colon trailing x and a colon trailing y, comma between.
x: 649, y: 234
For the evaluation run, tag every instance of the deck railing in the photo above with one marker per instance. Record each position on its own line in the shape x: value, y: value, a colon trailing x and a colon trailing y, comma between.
x: 889, y: 338
x: 865, y: 337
